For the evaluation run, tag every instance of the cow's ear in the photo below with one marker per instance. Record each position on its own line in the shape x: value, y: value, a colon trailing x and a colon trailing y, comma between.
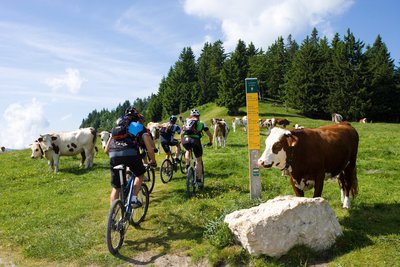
x: 40, y: 139
x: 53, y: 138
x: 291, y: 140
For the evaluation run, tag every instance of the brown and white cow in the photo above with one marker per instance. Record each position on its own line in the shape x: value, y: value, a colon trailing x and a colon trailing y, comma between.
x: 337, y: 118
x: 154, y: 128
x: 221, y: 130
x: 104, y: 136
x: 363, y: 120
x: 239, y: 122
x: 82, y: 141
x: 310, y: 155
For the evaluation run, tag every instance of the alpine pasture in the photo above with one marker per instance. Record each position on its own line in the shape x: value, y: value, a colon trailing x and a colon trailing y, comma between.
x: 49, y: 219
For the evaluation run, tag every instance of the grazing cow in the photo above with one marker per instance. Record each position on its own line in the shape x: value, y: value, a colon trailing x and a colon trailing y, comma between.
x: 282, y: 122
x: 3, y: 149
x: 337, y: 118
x: 239, y: 122
x: 363, y: 120
x: 271, y: 123
x: 104, y: 136
x: 298, y: 126
x: 81, y: 141
x: 154, y: 128
x: 221, y: 130
x: 310, y: 155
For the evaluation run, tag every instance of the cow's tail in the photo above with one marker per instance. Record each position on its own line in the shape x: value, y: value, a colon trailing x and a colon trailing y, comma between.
x: 94, y: 133
x: 354, y: 183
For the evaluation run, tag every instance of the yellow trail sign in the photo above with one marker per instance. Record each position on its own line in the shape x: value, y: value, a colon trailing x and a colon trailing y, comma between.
x: 253, y: 136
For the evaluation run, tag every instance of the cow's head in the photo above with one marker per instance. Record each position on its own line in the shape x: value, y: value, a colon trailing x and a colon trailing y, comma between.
x: 277, y: 145
x: 37, y: 151
x: 104, y: 136
x: 46, y: 141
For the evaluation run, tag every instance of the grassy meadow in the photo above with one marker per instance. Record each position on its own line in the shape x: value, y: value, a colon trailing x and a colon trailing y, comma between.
x: 49, y: 219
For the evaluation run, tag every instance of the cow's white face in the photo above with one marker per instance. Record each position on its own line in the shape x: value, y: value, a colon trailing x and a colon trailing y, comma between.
x: 37, y: 151
x: 274, y: 155
x: 46, y: 141
x: 104, y: 136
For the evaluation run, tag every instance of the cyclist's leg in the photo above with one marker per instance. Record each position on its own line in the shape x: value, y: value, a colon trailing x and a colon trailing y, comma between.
x: 137, y: 167
x: 188, y: 146
x: 198, y: 153
x: 166, y: 148
x: 114, y: 195
x: 115, y: 179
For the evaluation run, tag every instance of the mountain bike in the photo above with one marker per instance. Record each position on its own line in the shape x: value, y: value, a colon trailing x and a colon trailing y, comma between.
x: 168, y: 167
x: 121, y: 213
x: 193, y: 183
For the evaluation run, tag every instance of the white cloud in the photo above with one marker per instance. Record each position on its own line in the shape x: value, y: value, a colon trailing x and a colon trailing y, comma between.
x: 263, y: 21
x: 72, y: 80
x: 23, y: 123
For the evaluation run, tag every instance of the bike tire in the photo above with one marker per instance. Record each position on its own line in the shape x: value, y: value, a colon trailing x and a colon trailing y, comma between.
x: 166, y: 171
x: 116, y: 227
x: 190, y: 182
x: 150, y: 174
x: 182, y: 163
x: 139, y: 214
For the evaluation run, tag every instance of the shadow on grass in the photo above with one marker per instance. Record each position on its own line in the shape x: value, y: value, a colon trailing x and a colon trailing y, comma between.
x: 377, y: 220
x: 162, y: 241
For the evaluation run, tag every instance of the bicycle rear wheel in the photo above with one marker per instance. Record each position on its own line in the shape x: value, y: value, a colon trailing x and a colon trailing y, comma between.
x: 116, y: 227
x: 190, y: 182
x: 139, y: 213
x: 166, y: 171
x: 149, y: 179
x: 182, y: 163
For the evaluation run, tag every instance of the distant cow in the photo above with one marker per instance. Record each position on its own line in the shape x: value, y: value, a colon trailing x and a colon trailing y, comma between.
x: 104, y: 136
x: 2, y: 149
x: 154, y: 128
x: 239, y: 122
x: 81, y: 141
x: 363, y: 120
x: 271, y: 123
x: 337, y: 118
x: 310, y: 155
x: 221, y: 130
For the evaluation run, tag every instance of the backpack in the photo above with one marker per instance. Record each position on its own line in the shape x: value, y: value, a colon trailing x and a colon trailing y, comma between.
x: 166, y: 131
x: 120, y: 129
x: 191, y: 127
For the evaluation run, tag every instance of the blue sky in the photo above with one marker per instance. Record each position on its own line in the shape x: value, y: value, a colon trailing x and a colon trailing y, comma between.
x: 61, y: 59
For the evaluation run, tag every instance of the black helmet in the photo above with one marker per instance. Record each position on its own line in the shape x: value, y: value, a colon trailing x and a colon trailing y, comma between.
x: 132, y: 111
x: 173, y: 118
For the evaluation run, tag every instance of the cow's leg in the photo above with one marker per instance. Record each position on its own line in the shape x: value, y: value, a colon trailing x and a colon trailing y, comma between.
x: 346, y: 179
x: 50, y: 163
x: 56, y: 159
x: 83, y: 154
x: 319, y: 185
x: 297, y: 191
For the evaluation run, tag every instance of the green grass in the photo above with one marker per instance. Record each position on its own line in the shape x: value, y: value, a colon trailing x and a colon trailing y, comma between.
x: 48, y: 219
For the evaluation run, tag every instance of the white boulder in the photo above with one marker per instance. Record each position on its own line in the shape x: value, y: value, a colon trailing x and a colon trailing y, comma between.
x: 274, y: 227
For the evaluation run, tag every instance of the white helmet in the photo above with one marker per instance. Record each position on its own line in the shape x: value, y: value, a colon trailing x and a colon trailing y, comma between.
x: 194, y: 112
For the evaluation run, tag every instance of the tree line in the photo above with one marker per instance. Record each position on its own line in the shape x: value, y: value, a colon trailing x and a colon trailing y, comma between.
x: 316, y: 78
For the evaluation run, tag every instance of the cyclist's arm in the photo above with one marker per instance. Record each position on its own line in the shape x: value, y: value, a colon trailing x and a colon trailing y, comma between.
x: 107, y: 146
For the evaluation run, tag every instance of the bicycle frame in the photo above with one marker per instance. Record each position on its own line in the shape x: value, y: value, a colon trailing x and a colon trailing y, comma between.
x: 126, y: 201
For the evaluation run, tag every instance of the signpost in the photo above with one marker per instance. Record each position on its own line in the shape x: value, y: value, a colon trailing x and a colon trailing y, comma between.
x: 253, y: 136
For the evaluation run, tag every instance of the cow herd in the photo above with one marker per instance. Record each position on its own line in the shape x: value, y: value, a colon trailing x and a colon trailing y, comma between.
x: 307, y: 155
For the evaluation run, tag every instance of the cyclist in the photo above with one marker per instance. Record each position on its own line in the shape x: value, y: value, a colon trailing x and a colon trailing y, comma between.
x: 167, y: 132
x: 123, y: 148
x: 191, y: 139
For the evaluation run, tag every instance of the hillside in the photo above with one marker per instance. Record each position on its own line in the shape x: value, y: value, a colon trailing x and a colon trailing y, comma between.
x: 48, y: 219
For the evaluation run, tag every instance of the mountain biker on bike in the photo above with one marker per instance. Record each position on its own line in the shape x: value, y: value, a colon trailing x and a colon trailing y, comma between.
x: 191, y: 139
x: 167, y: 132
x: 123, y: 148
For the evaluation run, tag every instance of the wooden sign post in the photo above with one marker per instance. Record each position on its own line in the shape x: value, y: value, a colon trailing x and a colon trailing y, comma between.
x: 253, y: 136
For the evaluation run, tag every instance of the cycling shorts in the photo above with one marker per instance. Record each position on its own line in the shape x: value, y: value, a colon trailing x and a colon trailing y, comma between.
x: 194, y: 144
x: 166, y: 145
x: 134, y: 163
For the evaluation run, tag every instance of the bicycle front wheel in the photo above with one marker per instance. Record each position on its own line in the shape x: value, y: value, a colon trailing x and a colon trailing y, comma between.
x: 166, y: 171
x: 138, y: 214
x: 116, y: 227
x: 149, y: 179
x: 190, y: 182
